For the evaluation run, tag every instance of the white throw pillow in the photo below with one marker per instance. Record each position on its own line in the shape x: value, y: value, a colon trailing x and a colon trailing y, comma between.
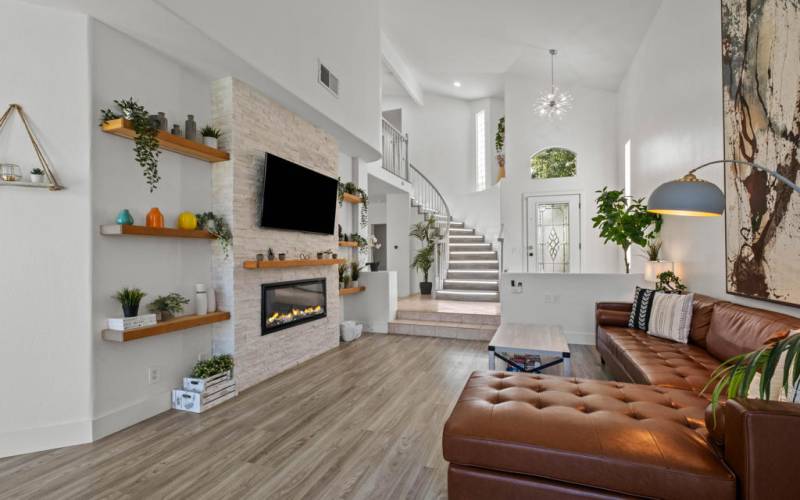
x: 776, y: 386
x: 671, y: 316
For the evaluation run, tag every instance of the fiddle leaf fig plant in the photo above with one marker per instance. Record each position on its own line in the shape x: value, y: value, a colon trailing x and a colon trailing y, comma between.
x: 625, y: 221
x: 146, y: 141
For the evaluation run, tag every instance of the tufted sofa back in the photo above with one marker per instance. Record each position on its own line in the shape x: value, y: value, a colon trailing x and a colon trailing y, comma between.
x: 736, y: 329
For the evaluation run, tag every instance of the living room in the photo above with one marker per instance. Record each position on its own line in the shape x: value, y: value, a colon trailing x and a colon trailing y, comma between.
x: 385, y: 249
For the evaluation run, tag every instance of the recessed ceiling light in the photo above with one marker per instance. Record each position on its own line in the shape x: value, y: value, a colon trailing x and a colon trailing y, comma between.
x: 456, y: 83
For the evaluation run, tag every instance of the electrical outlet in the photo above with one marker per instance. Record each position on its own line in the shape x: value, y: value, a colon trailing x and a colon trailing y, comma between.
x: 153, y: 375
x: 516, y: 287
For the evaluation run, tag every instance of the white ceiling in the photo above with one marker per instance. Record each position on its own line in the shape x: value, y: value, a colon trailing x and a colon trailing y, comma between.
x: 478, y: 41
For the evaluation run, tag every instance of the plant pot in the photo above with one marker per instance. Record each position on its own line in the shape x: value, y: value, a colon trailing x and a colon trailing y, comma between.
x: 341, y: 285
x: 37, y: 178
x: 281, y: 256
x: 425, y: 287
x: 164, y: 315
x: 130, y: 310
x: 320, y: 255
x: 373, y: 266
x: 354, y: 284
x: 211, y: 142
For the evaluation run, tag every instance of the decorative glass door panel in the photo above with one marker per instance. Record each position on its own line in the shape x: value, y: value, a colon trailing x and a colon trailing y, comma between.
x: 553, y: 233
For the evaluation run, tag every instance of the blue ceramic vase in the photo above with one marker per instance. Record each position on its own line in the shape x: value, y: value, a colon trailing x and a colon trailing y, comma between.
x: 124, y: 217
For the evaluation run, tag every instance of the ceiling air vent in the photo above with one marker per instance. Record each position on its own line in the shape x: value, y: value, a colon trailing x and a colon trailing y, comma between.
x: 328, y: 79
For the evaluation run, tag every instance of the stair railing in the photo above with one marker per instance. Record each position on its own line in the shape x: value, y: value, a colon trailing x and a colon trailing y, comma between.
x: 424, y: 195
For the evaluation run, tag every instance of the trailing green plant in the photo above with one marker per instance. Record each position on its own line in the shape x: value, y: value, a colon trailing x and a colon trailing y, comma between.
x: 213, y: 366
x: 735, y: 376
x: 653, y: 249
x: 37, y: 171
x: 427, y: 232
x: 342, y: 272
x: 669, y: 282
x: 355, y: 271
x: 209, y: 131
x: 129, y: 297
x: 171, y: 303
x: 216, y: 225
x: 350, y: 188
x: 624, y: 220
x: 500, y: 136
x: 146, y: 140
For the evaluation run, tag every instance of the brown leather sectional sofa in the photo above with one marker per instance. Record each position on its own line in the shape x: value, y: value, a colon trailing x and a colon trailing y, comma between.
x: 515, y: 436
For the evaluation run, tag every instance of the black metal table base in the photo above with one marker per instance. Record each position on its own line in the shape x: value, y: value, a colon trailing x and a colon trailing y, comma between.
x: 537, y: 369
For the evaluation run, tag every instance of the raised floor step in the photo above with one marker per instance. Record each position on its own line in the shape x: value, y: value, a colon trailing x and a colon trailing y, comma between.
x: 449, y: 317
x: 445, y: 329
x: 468, y: 295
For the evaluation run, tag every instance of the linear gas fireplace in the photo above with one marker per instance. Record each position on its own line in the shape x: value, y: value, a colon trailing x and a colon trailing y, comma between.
x: 290, y: 303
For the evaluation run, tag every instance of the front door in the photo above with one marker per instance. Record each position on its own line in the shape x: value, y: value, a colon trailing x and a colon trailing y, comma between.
x: 553, y: 233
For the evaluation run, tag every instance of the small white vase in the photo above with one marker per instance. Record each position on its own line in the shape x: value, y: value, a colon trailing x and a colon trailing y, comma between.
x: 37, y: 178
x: 210, y: 142
x: 354, y: 284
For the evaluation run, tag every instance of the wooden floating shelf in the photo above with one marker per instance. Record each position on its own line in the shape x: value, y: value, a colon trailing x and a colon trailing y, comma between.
x: 351, y: 198
x: 351, y: 291
x: 170, y: 325
x: 163, y: 232
x: 169, y: 142
x: 351, y: 244
x: 277, y: 264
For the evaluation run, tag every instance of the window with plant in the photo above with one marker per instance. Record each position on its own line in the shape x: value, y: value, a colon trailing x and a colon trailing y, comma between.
x: 146, y: 140
x: 553, y: 163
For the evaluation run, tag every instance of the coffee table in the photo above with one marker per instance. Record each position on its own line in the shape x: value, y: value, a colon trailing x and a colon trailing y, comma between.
x: 544, y: 340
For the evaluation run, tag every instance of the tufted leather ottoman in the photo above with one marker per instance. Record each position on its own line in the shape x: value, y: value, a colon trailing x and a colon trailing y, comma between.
x: 517, y: 435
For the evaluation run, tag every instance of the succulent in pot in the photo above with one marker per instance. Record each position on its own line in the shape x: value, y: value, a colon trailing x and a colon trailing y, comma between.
x: 167, y: 306
x: 37, y: 175
x: 129, y: 298
x: 211, y: 136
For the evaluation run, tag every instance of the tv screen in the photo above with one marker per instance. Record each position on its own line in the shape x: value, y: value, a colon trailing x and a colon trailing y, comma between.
x: 297, y: 198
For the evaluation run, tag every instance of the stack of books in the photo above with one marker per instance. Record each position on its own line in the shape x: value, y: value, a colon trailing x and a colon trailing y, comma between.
x: 125, y: 324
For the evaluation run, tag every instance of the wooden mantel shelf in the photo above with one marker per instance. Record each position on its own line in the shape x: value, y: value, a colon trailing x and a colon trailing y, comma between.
x: 277, y: 264
x: 169, y: 142
x: 170, y: 325
x: 351, y: 291
x: 351, y: 198
x: 351, y: 244
x: 163, y: 232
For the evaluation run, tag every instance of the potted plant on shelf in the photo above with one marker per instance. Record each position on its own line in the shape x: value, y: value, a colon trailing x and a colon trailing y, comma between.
x: 350, y: 188
x: 342, y: 275
x: 499, y: 143
x: 355, y: 271
x: 625, y: 221
x: 146, y: 141
x: 217, y: 226
x: 211, y: 136
x: 427, y: 232
x: 37, y: 175
x: 167, y: 306
x: 129, y: 298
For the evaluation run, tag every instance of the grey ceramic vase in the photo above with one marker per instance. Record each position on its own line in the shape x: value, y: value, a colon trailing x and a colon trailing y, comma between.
x: 162, y: 121
x: 176, y: 130
x: 190, y: 128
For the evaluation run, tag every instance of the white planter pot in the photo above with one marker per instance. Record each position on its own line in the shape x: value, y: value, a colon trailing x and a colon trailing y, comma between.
x: 37, y: 178
x: 211, y: 142
x: 354, y: 284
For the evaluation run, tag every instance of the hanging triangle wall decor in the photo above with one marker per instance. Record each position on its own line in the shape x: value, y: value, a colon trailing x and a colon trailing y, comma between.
x: 53, y: 184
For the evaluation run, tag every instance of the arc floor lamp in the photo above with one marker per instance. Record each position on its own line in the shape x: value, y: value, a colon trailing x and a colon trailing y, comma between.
x: 691, y: 196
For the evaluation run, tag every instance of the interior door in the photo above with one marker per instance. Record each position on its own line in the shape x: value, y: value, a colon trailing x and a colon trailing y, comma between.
x: 553, y: 233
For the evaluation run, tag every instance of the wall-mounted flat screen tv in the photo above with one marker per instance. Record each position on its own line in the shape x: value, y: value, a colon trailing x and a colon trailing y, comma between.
x: 297, y: 198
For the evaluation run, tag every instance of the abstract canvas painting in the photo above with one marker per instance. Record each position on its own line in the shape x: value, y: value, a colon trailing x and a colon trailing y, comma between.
x: 761, y: 116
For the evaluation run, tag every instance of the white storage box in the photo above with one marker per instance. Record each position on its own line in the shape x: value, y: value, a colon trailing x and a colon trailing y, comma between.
x: 350, y: 330
x: 206, y: 384
x: 196, y: 402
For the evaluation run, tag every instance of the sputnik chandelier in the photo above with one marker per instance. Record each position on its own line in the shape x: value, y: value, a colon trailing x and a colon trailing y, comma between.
x: 553, y: 104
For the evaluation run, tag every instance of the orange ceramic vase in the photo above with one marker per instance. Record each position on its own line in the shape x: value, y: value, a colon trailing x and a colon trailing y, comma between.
x: 155, y: 218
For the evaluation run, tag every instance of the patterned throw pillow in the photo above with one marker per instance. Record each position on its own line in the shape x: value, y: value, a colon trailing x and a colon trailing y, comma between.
x: 671, y: 316
x: 642, y: 304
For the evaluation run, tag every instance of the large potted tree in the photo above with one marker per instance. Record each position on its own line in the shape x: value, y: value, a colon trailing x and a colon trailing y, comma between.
x: 427, y: 232
x: 625, y: 220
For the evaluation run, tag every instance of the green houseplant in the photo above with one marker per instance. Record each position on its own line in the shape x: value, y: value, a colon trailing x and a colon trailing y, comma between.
x: 213, y: 366
x: 350, y: 188
x: 146, y: 141
x: 216, y: 225
x: 342, y: 275
x: 624, y: 220
x: 735, y: 376
x: 355, y: 272
x: 211, y: 136
x: 167, y: 306
x: 37, y: 175
x: 427, y: 232
x: 499, y: 144
x: 129, y: 298
x: 669, y: 282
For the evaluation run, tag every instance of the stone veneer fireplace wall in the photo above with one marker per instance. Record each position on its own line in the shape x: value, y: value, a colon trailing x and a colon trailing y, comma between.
x: 252, y: 125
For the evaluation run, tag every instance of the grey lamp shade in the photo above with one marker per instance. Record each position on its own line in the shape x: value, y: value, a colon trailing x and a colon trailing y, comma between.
x: 693, y: 197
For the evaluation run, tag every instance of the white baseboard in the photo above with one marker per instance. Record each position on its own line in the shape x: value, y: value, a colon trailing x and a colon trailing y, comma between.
x: 127, y: 416
x: 45, y: 438
x: 582, y: 338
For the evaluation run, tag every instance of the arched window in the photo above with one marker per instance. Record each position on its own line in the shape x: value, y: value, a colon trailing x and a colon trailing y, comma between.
x: 553, y: 162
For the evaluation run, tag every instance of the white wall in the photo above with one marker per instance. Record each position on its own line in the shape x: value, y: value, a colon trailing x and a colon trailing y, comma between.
x: 671, y: 110
x: 589, y: 130
x: 123, y: 67
x: 440, y: 141
x: 397, y: 241
x: 566, y: 300
x: 45, y: 283
x: 284, y: 40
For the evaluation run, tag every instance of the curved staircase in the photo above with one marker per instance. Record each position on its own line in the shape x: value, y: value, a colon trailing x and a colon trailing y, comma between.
x: 473, y: 272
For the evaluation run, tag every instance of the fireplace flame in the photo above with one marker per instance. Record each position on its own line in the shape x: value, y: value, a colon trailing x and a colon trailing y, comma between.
x: 280, y: 318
